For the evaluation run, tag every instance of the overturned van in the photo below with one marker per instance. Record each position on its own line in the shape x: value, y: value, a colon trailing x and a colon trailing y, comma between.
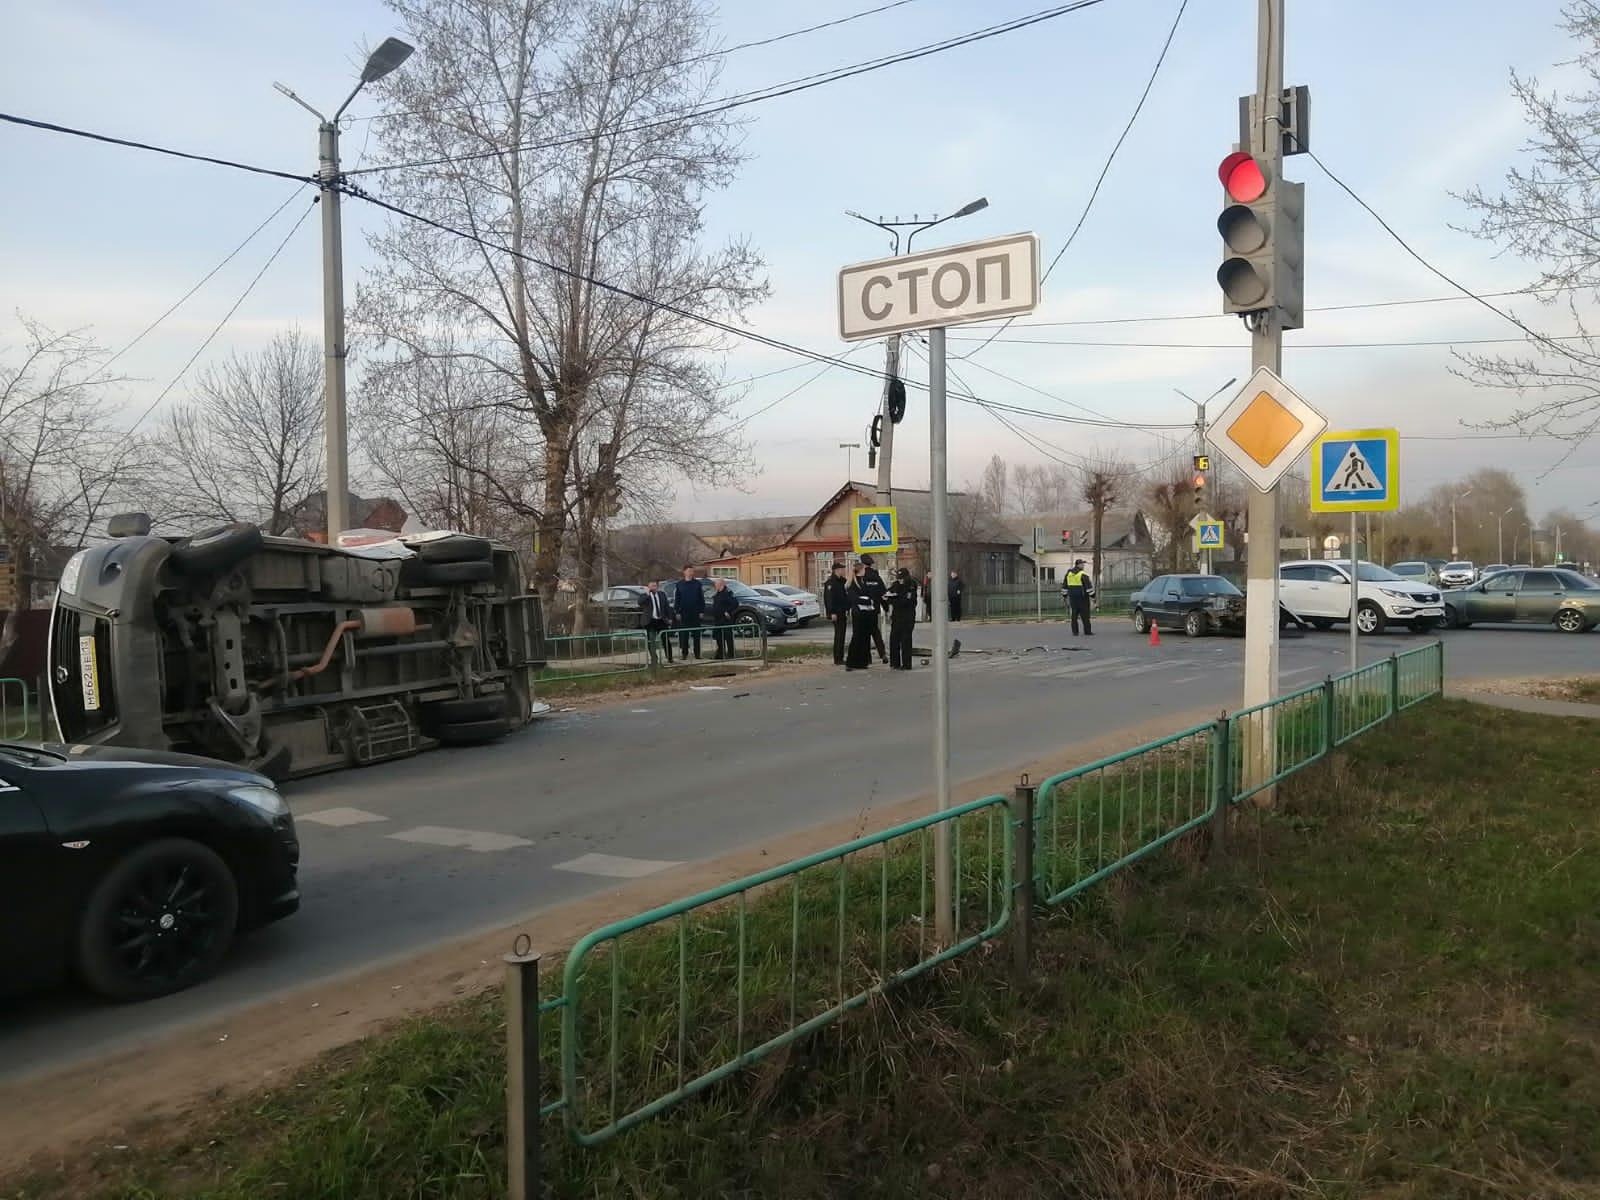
x: 288, y: 656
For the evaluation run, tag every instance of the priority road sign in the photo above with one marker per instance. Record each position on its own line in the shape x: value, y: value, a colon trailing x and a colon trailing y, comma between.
x: 1209, y: 535
x: 1356, y: 470
x: 1265, y: 428
x: 972, y: 282
x: 874, y: 530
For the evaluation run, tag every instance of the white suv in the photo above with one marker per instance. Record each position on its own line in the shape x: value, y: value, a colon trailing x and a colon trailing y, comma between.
x: 1319, y: 591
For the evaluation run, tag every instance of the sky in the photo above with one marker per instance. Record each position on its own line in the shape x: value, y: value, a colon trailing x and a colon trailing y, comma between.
x: 1410, y: 104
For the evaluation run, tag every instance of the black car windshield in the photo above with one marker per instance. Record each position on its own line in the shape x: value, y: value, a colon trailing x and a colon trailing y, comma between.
x: 1209, y: 585
x: 1371, y: 572
x: 1458, y: 566
x: 744, y: 591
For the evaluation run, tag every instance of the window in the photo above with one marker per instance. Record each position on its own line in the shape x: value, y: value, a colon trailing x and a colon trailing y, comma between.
x: 1209, y: 585
x: 1322, y: 573
x: 1303, y: 574
x: 1505, y: 581
x: 1050, y: 574
x: 775, y: 574
x: 1157, y: 586
x: 724, y: 572
x: 1540, y: 581
x: 1572, y: 581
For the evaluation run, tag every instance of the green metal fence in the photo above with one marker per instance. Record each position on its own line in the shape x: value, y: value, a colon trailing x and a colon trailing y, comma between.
x: 591, y: 655
x: 756, y: 964
x: 1112, y: 602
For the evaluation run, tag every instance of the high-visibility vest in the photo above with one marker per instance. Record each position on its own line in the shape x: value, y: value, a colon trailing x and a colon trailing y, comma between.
x: 1077, y: 579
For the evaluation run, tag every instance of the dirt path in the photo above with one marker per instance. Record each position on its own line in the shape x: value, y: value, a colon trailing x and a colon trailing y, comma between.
x: 149, y: 1093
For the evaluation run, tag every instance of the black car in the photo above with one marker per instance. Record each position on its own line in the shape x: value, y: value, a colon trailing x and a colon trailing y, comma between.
x: 134, y: 869
x: 1197, y: 604
x: 621, y: 604
x: 754, y: 608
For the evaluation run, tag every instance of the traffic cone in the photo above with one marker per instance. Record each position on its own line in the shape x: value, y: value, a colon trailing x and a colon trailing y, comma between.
x: 1155, y: 634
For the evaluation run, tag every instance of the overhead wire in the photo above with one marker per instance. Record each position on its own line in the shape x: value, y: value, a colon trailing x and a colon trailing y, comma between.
x: 740, y: 100
x: 1405, y: 344
x: 52, y: 127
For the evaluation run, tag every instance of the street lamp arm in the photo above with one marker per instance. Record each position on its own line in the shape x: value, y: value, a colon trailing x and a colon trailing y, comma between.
x: 966, y: 210
x: 289, y: 92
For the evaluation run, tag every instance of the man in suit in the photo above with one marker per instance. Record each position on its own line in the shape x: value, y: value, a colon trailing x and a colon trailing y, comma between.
x: 689, y: 598
x: 657, y: 616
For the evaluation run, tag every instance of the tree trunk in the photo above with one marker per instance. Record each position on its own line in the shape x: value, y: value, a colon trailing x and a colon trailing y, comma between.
x: 1099, y: 527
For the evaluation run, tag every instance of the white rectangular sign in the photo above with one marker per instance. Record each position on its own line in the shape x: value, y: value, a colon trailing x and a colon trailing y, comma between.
x: 89, y: 673
x: 954, y: 284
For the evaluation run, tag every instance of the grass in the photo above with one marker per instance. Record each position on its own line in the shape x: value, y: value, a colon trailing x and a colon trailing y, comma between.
x: 553, y: 687
x: 1389, y: 986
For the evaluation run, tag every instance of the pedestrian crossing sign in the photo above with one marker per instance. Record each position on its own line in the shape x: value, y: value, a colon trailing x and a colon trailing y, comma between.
x: 1357, y: 470
x: 1208, y: 535
x: 874, y: 530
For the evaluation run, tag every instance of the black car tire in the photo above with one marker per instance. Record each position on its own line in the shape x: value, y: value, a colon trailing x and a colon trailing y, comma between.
x: 749, y: 621
x: 416, y: 573
x: 440, y: 713
x: 1424, y: 625
x: 200, y: 933
x: 1141, y: 622
x: 216, y: 549
x: 1452, y: 618
x: 1379, y: 620
x: 470, y: 733
x: 1195, y: 625
x: 1322, y: 623
x: 459, y: 548
x: 1570, y: 620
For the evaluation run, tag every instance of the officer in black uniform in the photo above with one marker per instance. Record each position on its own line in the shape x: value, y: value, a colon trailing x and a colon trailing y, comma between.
x: 863, y: 622
x: 1080, y: 591
x: 901, y: 597
x: 724, y: 611
x: 873, y: 582
x: 837, y: 605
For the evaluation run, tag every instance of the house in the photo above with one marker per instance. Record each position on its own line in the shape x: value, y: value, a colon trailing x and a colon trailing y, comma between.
x: 981, y: 548
x: 737, y: 535
x: 310, y: 516
x: 1125, y: 549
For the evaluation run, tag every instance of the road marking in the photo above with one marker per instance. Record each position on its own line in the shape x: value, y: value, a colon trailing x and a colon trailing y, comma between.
x: 338, y: 818
x: 615, y: 866
x: 464, y: 839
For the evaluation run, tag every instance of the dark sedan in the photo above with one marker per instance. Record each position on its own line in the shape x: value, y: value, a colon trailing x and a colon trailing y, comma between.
x: 755, y: 610
x: 1197, y: 604
x: 134, y: 869
x: 1546, y: 596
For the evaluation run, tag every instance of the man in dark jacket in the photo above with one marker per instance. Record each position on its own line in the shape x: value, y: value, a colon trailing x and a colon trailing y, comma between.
x: 1080, y: 591
x: 689, y: 598
x: 724, y: 610
x: 901, y: 597
x: 863, y: 622
x: 873, y: 583
x: 956, y: 590
x: 657, y: 615
x: 837, y: 605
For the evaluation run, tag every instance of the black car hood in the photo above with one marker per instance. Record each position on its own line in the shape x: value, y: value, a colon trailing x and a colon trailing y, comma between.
x: 93, y: 756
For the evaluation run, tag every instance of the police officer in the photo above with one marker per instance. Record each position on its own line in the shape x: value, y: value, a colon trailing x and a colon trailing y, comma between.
x: 863, y: 622
x: 873, y: 582
x: 837, y: 605
x: 901, y: 597
x: 1079, y: 592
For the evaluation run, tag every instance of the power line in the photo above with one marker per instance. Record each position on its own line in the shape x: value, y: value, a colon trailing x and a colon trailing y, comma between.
x: 682, y: 62
x: 1105, y: 169
x: 799, y: 387
x: 772, y: 92
x: 226, y: 317
x: 51, y: 127
x: 1297, y: 346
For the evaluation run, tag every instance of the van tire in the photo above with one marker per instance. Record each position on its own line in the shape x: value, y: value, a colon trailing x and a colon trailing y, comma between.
x: 216, y: 549
x: 470, y: 733
x: 416, y: 573
x: 442, y: 713
x: 460, y: 548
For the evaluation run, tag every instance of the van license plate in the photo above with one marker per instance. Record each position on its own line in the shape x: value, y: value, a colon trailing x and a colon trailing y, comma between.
x: 89, y: 673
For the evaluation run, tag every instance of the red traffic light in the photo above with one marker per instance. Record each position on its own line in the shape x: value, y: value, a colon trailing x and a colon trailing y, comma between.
x: 1244, y: 179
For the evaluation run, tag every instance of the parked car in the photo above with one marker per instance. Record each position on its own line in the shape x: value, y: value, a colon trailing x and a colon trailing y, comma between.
x: 135, y: 868
x: 1566, y: 599
x: 808, y: 606
x: 1485, y: 572
x: 1417, y: 572
x: 775, y: 616
x: 1458, y: 574
x: 1197, y: 604
x: 621, y: 604
x: 1319, y: 591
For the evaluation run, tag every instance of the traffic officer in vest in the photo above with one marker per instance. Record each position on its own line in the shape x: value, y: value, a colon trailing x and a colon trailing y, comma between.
x: 1079, y: 592
x: 901, y: 598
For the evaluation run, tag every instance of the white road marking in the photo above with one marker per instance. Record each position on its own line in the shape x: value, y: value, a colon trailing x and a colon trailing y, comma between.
x: 338, y: 818
x: 464, y: 839
x: 615, y: 866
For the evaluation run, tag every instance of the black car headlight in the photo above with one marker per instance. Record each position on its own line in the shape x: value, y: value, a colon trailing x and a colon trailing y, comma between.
x: 264, y: 800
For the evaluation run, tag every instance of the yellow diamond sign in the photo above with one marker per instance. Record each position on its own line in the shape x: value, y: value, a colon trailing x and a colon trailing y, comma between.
x: 1265, y: 428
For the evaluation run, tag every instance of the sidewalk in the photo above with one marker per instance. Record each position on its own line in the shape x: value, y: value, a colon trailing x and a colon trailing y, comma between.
x: 1527, y: 704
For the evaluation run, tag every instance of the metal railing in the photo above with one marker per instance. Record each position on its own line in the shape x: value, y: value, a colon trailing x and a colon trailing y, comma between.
x: 758, y: 963
x: 18, y: 721
x: 1111, y: 602
x: 592, y: 655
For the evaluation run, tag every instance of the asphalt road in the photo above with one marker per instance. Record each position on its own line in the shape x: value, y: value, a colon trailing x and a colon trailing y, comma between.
x: 404, y: 855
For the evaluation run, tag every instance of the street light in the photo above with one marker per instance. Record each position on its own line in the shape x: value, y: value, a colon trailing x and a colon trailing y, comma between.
x: 389, y: 55
x: 1455, y: 549
x: 1500, y: 533
x: 849, y: 448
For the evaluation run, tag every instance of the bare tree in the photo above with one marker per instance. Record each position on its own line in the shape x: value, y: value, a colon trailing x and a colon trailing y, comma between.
x: 1043, y: 487
x: 570, y: 143
x: 993, y: 487
x: 1102, y: 481
x: 1169, y: 497
x: 1546, y: 214
x: 248, y: 446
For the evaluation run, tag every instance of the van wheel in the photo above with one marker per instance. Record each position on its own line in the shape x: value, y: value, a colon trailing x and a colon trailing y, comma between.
x: 1370, y: 618
x: 461, y: 548
x: 470, y: 733
x: 159, y: 921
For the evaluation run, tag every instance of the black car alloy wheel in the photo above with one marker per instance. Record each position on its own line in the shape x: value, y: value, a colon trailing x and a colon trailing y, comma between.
x: 160, y: 920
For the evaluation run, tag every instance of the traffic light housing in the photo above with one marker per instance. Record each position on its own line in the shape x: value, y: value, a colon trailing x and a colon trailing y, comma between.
x: 1199, y: 492
x: 1263, y: 239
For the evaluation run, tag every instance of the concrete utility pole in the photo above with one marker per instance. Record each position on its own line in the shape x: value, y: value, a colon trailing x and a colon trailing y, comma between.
x: 1266, y: 350
x: 939, y: 570
x: 335, y: 425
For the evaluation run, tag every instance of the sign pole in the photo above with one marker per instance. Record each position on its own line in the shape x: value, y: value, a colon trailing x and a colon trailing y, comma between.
x: 1355, y: 595
x: 939, y: 572
x: 1038, y: 578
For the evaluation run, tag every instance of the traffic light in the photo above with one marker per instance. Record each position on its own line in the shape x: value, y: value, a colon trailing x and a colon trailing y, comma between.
x: 1066, y: 537
x: 1199, y: 491
x: 1263, y: 237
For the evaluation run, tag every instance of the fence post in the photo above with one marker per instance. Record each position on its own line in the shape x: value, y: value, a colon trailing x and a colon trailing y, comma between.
x: 1221, y: 784
x: 1394, y: 686
x: 1330, y: 714
x: 522, y: 1073
x: 763, y: 645
x: 1022, y: 827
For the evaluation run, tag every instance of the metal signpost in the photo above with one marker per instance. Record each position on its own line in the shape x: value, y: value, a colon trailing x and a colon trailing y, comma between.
x: 977, y: 281
x: 1356, y: 471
